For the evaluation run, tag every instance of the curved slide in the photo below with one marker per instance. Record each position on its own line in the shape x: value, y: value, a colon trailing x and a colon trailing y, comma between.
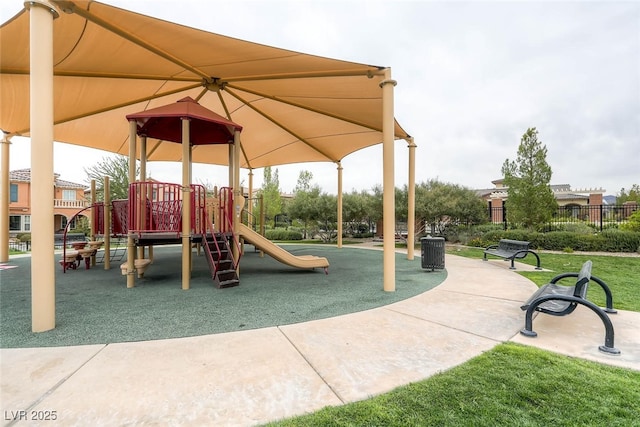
x: 279, y: 254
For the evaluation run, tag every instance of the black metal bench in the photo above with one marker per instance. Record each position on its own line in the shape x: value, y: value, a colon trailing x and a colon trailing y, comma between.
x: 559, y: 300
x: 510, y: 250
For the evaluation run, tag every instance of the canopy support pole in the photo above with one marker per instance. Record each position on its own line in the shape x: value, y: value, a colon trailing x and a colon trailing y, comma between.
x: 238, y: 197
x: 411, y: 208
x: 107, y: 223
x: 388, y: 185
x: 131, y: 250
x: 43, y: 284
x: 231, y: 162
x: 5, y: 189
x: 186, y: 204
x: 250, y: 204
x: 143, y: 177
x: 339, y: 204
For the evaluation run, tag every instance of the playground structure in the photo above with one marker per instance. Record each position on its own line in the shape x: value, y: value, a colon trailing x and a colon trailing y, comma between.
x: 152, y: 215
x: 155, y: 213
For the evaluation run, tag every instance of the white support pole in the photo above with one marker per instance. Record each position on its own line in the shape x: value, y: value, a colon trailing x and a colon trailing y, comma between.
x: 238, y: 198
x: 5, y: 189
x: 186, y: 204
x: 388, y: 184
x: 250, y: 204
x: 43, y: 285
x: 411, y: 208
x: 131, y: 250
x: 231, y: 164
x: 339, y: 204
x: 107, y: 223
x: 93, y: 215
x: 143, y: 177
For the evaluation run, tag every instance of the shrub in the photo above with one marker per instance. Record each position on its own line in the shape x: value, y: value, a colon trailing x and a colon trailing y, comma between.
x: 633, y: 222
x: 578, y: 227
x: 24, y: 237
x: 282, y: 234
x: 610, y: 240
x: 367, y: 235
x: 485, y: 228
x: 620, y: 241
x: 479, y: 242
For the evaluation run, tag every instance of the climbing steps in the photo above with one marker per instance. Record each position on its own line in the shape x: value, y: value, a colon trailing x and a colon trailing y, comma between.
x: 220, y: 259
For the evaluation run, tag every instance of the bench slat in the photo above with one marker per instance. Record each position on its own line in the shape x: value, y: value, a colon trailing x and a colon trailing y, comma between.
x: 553, y: 305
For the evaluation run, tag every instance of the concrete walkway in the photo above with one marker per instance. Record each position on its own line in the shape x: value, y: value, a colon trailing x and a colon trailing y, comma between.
x: 252, y: 377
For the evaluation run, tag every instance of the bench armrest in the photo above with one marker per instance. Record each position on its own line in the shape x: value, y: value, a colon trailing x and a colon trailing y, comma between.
x: 491, y: 247
x: 563, y: 276
x: 607, y: 292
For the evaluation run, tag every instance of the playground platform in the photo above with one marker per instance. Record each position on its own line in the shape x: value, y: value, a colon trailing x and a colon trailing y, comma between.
x: 248, y: 377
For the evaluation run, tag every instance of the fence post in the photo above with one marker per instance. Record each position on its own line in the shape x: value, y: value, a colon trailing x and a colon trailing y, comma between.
x: 504, y: 215
x: 601, y: 216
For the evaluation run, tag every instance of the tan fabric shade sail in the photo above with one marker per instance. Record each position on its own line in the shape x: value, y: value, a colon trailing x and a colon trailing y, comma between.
x: 109, y: 62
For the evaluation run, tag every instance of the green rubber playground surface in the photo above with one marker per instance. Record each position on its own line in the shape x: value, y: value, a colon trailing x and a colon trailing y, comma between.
x: 95, y: 307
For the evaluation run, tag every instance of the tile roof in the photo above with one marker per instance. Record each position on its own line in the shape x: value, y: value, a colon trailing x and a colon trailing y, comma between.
x: 24, y: 175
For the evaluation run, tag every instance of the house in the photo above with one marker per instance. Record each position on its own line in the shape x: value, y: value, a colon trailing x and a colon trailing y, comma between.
x: 68, y: 200
x: 575, y: 202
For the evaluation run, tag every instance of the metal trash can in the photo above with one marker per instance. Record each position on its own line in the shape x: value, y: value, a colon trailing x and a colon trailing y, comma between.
x: 432, y: 252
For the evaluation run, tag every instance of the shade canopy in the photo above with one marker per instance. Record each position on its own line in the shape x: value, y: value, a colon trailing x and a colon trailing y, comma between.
x: 165, y: 123
x: 110, y: 63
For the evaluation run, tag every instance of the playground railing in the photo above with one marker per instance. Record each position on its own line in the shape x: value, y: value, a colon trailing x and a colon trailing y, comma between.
x: 156, y: 207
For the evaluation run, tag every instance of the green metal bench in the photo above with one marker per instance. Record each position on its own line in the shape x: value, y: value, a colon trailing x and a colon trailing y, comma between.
x: 559, y: 300
x: 510, y: 250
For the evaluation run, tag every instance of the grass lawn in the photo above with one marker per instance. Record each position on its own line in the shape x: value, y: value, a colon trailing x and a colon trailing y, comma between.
x: 621, y: 273
x: 511, y: 384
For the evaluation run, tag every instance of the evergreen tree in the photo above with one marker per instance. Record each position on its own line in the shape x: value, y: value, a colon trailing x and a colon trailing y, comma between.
x: 629, y: 196
x: 271, y: 194
x: 530, y: 200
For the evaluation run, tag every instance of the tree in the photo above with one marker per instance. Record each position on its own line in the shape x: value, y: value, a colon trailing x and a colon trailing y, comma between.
x: 530, y: 200
x: 303, y: 207
x: 117, y: 169
x: 327, y: 208
x: 376, y: 205
x: 271, y: 194
x: 314, y: 209
x: 633, y: 195
x: 356, y: 210
x: 304, y: 181
x: 442, y: 204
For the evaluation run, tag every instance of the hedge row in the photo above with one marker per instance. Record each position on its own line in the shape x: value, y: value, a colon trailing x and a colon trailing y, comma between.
x: 607, y: 241
x: 281, y: 234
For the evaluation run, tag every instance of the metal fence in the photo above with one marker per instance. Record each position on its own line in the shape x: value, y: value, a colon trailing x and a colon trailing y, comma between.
x: 599, y: 217
x: 19, y: 246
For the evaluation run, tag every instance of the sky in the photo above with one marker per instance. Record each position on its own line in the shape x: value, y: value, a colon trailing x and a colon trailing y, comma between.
x: 472, y: 78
